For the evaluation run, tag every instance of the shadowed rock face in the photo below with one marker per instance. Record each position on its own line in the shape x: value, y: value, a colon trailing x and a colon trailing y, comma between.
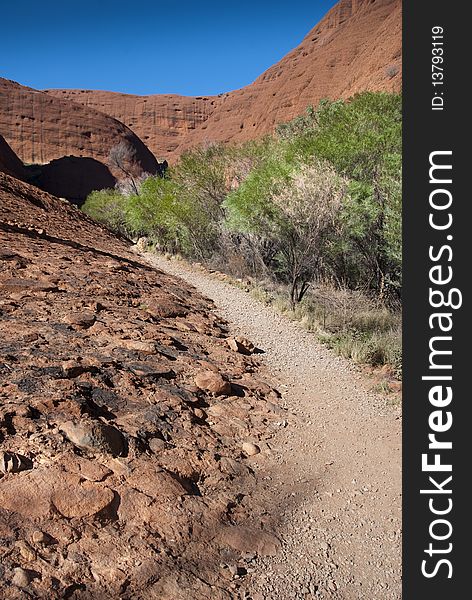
x: 41, y: 128
x: 9, y: 161
x: 355, y: 47
x: 70, y: 177
x: 74, y: 177
x: 114, y: 480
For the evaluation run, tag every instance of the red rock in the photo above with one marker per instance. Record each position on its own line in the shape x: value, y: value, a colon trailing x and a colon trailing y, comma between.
x: 41, y: 128
x: 152, y: 370
x: 157, y: 445
x: 27, y: 494
x: 250, y: 449
x: 75, y: 140
x: 156, y: 484
x: 139, y: 346
x: 245, y: 540
x: 74, y: 499
x: 23, y: 577
x: 200, y: 414
x: 26, y: 551
x: 184, y: 325
x: 88, y: 469
x: 159, y: 502
x: 39, y: 537
x: 134, y: 505
x: 95, y: 436
x: 73, y: 368
x: 165, y: 309
x: 162, y: 121
x: 80, y: 319
x: 213, y: 382
x: 355, y: 47
x: 217, y: 410
x: 231, y: 467
x: 241, y: 345
x: 15, y: 284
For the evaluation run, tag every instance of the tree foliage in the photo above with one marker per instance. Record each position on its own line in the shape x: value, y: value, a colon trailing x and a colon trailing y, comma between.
x: 308, y: 210
x: 122, y: 157
x: 321, y: 198
x: 109, y: 208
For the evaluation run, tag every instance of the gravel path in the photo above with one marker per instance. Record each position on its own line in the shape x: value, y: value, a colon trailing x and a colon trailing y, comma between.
x: 335, y: 473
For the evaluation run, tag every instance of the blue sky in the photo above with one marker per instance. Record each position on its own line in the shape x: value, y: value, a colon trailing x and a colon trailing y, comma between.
x: 145, y: 46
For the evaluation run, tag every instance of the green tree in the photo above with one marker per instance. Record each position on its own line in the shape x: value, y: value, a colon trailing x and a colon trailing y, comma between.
x: 202, y: 182
x: 293, y: 212
x: 155, y: 212
x: 107, y: 207
x: 362, y: 140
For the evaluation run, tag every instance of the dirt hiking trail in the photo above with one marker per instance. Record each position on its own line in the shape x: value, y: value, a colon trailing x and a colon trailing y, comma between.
x: 331, y: 475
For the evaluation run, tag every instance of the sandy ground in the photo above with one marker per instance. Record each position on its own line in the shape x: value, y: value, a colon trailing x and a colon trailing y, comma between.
x: 332, y: 475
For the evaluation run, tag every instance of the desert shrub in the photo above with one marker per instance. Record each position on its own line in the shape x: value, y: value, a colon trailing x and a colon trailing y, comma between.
x: 313, y: 209
x: 240, y: 255
x: 249, y: 206
x: 107, y: 207
x: 308, y: 210
x: 296, y: 210
x: 223, y: 202
x: 202, y: 181
x: 155, y: 213
x: 201, y: 173
x: 375, y: 349
x: 251, y: 215
x: 362, y: 140
x: 299, y: 125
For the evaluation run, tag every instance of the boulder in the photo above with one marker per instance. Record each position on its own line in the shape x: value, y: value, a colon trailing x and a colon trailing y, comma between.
x: 23, y: 577
x: 95, y: 436
x: 241, y: 345
x: 213, y: 382
x: 250, y: 449
x: 72, y: 498
x: 247, y: 540
x: 80, y: 319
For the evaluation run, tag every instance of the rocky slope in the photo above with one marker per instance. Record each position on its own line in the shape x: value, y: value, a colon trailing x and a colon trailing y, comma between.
x: 129, y: 426
x: 356, y: 47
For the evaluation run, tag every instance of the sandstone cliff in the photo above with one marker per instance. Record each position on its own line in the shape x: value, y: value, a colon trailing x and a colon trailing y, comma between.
x: 41, y: 128
x: 355, y: 47
x: 161, y: 121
